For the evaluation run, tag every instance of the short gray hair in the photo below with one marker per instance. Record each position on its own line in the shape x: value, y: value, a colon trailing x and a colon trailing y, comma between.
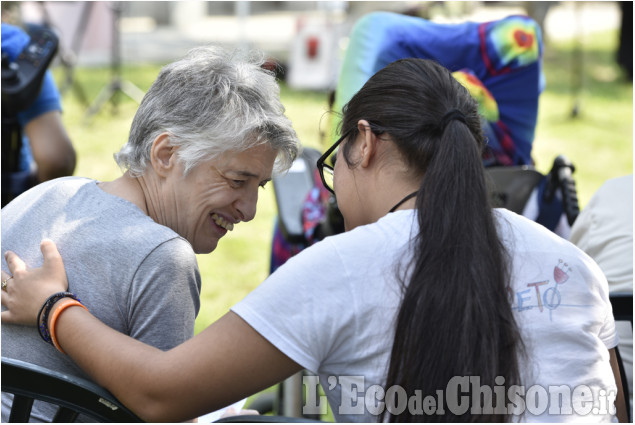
x: 211, y: 102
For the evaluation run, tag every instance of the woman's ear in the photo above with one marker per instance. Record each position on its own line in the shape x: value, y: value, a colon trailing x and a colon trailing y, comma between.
x: 368, y: 143
x: 162, y: 155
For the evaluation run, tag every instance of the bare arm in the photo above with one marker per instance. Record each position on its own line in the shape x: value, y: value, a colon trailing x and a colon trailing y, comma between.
x: 224, y: 363
x: 52, y: 149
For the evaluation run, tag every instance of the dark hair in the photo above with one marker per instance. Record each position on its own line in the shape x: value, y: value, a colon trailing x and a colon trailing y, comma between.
x: 455, y: 318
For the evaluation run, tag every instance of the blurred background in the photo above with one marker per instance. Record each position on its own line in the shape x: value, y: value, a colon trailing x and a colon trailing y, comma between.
x: 110, y: 53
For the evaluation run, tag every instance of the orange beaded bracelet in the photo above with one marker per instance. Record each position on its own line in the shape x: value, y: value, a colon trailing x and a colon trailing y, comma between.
x: 68, y: 302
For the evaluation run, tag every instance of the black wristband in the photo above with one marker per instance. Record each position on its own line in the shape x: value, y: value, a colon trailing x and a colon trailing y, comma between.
x: 45, y: 311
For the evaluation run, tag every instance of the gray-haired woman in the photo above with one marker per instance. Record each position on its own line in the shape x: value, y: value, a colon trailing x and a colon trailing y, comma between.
x: 204, y: 139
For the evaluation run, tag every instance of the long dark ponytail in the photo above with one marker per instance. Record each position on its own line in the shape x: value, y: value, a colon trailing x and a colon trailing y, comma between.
x: 455, y: 319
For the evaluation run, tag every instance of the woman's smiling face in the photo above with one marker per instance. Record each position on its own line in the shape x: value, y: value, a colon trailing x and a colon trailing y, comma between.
x: 215, y: 195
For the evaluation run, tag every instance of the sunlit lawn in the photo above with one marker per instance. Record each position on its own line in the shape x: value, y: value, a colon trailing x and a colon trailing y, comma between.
x: 599, y: 142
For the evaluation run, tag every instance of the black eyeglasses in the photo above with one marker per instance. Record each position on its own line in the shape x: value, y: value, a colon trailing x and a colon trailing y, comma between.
x: 326, y: 170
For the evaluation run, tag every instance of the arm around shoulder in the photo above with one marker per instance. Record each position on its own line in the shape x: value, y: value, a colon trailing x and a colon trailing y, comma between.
x: 225, y: 363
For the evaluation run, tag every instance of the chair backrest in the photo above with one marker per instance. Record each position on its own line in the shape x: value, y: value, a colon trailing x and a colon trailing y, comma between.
x: 511, y: 187
x: 622, y: 306
x: 623, y: 311
x: 73, y: 396
x: 556, y: 194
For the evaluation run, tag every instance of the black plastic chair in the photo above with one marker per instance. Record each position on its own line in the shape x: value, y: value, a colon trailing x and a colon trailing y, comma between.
x: 73, y: 395
x: 622, y: 306
x: 623, y: 311
x: 511, y: 187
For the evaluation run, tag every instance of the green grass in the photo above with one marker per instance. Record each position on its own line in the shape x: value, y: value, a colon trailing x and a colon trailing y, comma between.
x: 599, y: 142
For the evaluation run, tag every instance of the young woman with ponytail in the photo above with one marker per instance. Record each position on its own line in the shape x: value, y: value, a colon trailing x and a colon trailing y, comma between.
x: 432, y: 306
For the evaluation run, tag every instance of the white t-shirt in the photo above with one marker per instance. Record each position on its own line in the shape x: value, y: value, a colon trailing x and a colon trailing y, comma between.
x: 604, y: 230
x: 332, y: 309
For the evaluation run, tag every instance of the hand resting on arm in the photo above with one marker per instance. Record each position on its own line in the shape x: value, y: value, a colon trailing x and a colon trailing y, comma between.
x: 225, y: 363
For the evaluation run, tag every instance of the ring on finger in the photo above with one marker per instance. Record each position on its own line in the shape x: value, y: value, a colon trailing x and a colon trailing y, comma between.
x: 4, y: 283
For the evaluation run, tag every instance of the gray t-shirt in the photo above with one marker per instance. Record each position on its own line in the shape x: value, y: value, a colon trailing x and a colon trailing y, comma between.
x: 136, y: 276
